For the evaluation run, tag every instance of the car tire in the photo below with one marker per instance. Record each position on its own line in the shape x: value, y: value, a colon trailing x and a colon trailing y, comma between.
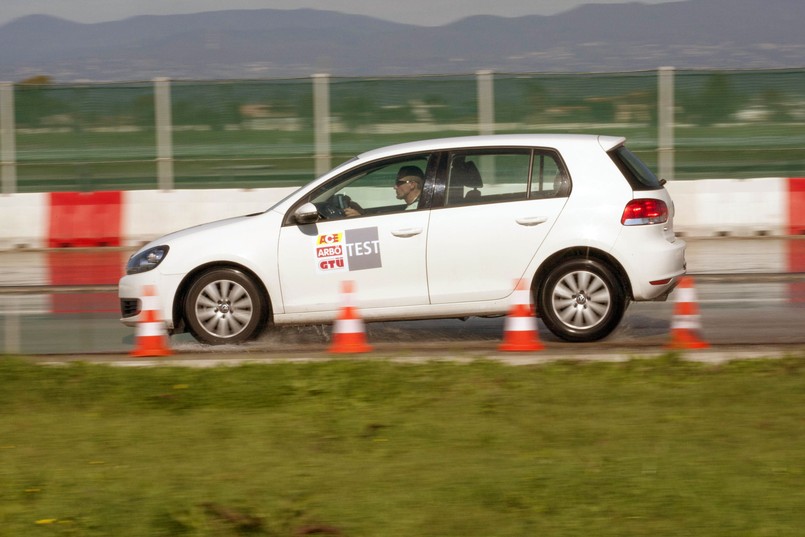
x: 581, y: 300
x: 224, y: 306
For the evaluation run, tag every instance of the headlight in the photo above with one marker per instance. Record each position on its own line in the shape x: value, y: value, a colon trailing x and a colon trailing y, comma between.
x: 146, y: 260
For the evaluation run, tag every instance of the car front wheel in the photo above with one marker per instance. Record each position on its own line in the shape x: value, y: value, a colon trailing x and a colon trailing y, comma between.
x: 224, y: 306
x: 581, y: 300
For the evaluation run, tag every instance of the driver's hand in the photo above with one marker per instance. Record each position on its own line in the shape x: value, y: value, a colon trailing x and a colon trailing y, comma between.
x: 349, y: 212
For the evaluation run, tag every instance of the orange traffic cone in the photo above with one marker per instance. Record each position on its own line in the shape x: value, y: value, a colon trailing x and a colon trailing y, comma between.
x: 686, y: 324
x: 520, y: 328
x: 152, y: 337
x: 349, y: 336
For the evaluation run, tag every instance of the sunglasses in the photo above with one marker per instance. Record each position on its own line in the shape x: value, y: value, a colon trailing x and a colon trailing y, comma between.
x: 401, y: 182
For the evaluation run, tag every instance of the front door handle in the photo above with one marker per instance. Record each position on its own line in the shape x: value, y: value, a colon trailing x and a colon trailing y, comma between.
x: 407, y: 232
x: 531, y: 220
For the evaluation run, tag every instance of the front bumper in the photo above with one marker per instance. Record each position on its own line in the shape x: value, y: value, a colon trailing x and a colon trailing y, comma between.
x: 131, y: 290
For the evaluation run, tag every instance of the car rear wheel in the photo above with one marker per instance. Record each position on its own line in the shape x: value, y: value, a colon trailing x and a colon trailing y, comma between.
x: 224, y: 306
x: 581, y: 300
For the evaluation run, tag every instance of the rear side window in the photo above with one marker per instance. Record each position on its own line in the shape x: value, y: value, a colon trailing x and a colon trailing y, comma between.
x: 487, y: 176
x: 639, y: 175
x: 504, y: 174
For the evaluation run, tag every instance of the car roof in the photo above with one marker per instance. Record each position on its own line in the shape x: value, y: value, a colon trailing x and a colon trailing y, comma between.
x: 496, y: 140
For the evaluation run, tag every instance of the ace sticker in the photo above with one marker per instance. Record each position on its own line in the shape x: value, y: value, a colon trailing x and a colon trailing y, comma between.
x: 354, y: 249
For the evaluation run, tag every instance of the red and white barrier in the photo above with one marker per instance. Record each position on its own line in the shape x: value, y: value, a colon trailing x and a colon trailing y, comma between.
x: 84, y: 219
x: 707, y: 207
x: 796, y: 206
x: 150, y: 214
x: 23, y: 220
x: 737, y: 207
x: 119, y: 218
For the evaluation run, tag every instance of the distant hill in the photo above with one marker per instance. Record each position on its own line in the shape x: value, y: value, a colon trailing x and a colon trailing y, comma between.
x: 719, y: 34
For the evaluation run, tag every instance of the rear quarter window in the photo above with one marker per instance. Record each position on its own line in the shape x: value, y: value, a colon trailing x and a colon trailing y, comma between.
x: 639, y: 176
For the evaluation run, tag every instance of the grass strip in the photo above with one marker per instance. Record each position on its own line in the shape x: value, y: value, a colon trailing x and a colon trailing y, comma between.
x: 371, y: 448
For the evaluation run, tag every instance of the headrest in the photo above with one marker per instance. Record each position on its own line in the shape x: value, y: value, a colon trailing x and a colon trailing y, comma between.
x: 465, y: 174
x: 472, y: 177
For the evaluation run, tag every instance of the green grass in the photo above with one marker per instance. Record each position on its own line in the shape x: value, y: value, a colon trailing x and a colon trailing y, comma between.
x: 370, y: 448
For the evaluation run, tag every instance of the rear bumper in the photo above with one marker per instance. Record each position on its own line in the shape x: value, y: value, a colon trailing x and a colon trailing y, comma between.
x: 648, y: 259
x: 663, y: 297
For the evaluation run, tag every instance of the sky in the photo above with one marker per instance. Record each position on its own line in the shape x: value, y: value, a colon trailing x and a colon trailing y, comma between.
x: 421, y: 12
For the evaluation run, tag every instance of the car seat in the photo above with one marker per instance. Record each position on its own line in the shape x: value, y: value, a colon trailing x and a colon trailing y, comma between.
x: 472, y: 179
x: 464, y: 174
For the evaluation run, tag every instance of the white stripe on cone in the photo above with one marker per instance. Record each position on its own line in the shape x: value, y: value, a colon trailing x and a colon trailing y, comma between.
x: 151, y: 329
x: 686, y: 322
x: 348, y: 326
x: 686, y: 294
x: 519, y: 324
x: 150, y: 303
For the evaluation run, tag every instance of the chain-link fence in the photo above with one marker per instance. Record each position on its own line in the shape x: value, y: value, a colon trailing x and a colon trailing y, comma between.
x: 261, y: 133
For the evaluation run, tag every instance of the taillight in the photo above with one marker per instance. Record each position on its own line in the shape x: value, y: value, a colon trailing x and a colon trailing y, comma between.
x: 640, y: 212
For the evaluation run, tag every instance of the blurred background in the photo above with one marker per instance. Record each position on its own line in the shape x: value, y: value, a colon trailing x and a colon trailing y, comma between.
x: 189, y: 95
x: 263, y: 133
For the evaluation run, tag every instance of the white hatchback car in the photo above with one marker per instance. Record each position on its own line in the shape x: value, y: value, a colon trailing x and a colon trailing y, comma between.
x: 433, y: 229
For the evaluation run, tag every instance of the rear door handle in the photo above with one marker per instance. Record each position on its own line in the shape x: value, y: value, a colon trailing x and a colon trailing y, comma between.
x: 407, y: 232
x: 531, y: 220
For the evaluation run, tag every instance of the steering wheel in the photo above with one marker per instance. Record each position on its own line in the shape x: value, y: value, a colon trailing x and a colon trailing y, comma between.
x: 334, y: 207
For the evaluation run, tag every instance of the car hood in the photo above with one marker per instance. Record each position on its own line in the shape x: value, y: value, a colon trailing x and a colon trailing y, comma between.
x: 192, y: 232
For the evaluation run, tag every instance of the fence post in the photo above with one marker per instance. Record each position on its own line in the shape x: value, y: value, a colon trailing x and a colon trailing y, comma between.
x: 8, y: 146
x: 321, y: 122
x: 665, y: 116
x: 164, y: 121
x: 486, y: 102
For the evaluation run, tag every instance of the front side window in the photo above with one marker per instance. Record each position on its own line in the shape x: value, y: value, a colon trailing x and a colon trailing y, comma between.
x: 386, y: 187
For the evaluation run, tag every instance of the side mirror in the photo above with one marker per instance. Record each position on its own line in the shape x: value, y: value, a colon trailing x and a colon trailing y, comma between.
x: 306, y: 214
